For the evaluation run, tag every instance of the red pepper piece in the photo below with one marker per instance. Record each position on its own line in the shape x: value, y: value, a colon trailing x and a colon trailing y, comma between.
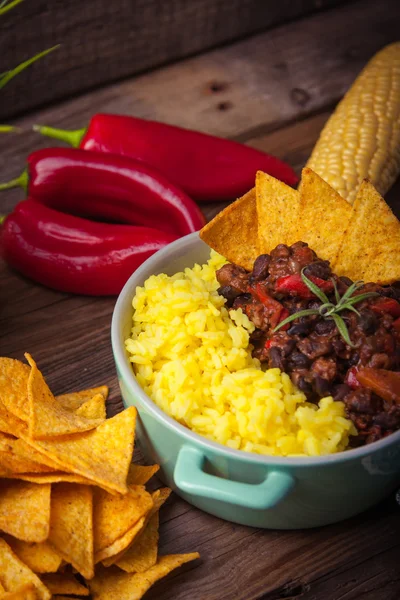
x: 351, y: 378
x: 105, y: 186
x: 206, y: 167
x: 295, y: 286
x: 386, y: 305
x: 284, y: 315
x: 274, y: 307
x: 75, y: 255
x: 385, y: 384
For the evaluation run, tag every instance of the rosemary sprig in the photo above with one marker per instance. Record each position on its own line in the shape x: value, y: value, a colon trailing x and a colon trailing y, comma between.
x: 328, y: 310
x: 8, y: 75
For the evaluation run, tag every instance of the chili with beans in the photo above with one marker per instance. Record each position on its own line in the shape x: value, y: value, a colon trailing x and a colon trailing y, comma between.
x: 311, y: 349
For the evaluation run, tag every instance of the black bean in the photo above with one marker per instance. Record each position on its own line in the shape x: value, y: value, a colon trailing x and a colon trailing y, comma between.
x: 322, y: 386
x: 319, y: 268
x: 324, y: 326
x: 260, y: 267
x: 368, y: 321
x: 299, y: 329
x: 276, y: 359
x: 228, y: 292
x: 304, y: 386
x: 340, y: 391
x: 387, y: 420
x: 298, y: 359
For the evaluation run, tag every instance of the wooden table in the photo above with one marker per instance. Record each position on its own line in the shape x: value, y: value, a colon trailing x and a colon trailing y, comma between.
x: 273, y: 91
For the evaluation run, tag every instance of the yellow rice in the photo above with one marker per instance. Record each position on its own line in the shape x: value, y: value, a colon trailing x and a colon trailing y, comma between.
x: 193, y: 358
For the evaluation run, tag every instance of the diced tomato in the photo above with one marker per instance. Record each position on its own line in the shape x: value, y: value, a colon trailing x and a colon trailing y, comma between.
x: 268, y: 344
x: 351, y: 378
x: 386, y: 305
x: 294, y: 284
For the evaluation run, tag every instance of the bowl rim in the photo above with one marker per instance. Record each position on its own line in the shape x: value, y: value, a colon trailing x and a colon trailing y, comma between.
x: 125, y: 369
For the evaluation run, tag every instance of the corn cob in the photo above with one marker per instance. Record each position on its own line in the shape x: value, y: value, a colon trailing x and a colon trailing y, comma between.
x: 361, y: 140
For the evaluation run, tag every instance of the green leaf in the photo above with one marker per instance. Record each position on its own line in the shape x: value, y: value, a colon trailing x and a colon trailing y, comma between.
x: 5, y: 7
x: 301, y: 313
x: 8, y: 75
x: 337, y: 296
x: 350, y: 291
x: 360, y: 297
x: 7, y: 128
x: 314, y: 288
x: 342, y: 328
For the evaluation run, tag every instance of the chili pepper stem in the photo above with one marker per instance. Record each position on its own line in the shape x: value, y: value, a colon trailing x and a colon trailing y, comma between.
x: 73, y: 137
x: 21, y: 181
x: 2, y: 219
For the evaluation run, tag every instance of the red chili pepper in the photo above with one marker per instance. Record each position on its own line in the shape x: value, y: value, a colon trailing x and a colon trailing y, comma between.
x: 75, y: 255
x: 294, y: 285
x: 107, y: 186
x: 206, y: 167
x: 386, y: 305
x: 351, y: 378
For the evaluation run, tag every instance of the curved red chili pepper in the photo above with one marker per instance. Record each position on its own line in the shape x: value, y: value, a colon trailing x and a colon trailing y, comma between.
x: 206, y: 167
x: 106, y: 186
x: 75, y: 255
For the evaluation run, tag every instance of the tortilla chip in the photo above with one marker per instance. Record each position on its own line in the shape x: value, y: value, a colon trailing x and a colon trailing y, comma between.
x: 140, y: 474
x: 74, y: 400
x: 47, y: 417
x: 158, y: 497
x: 95, y: 408
x: 114, y: 515
x: 54, y: 477
x: 111, y: 553
x: 102, y: 455
x: 64, y: 583
x: 324, y: 216
x: 71, y: 525
x: 112, y: 584
x: 278, y: 209
x: 17, y: 457
x: 143, y: 553
x: 14, y: 387
x: 9, y: 423
x: 25, y: 592
x: 233, y: 232
x: 40, y: 558
x: 371, y: 245
x: 15, y: 574
x: 1, y: 588
x: 25, y: 510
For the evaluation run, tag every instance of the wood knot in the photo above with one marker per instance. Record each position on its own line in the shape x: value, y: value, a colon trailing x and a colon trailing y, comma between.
x: 224, y: 106
x: 217, y: 86
x: 300, y: 96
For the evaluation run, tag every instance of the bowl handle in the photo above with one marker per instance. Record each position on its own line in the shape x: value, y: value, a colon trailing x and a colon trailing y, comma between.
x: 190, y: 477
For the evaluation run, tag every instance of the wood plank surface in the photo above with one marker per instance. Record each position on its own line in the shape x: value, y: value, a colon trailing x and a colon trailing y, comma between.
x: 103, y: 41
x: 69, y: 336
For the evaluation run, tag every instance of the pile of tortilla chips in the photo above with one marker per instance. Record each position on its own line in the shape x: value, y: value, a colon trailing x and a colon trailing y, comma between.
x: 75, y: 516
x: 361, y: 241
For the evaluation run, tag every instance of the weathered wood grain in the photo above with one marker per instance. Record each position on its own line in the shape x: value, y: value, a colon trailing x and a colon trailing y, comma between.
x: 102, y: 41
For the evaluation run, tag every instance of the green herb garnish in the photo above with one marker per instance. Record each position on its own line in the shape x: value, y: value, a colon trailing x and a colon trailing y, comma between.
x: 328, y: 310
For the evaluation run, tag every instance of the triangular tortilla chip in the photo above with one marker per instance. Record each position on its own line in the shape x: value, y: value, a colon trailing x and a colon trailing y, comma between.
x: 64, y: 583
x: 117, y: 548
x: 47, y: 417
x: 84, y: 453
x: 112, y: 583
x: 95, y: 408
x: 371, y: 244
x: 143, y: 553
x: 278, y: 207
x: 158, y: 497
x: 39, y: 557
x: 113, y: 515
x: 14, y: 387
x: 74, y: 400
x: 140, y: 474
x: 233, y: 232
x: 324, y: 216
x: 54, y: 477
x: 25, y: 510
x: 17, y: 457
x: 9, y: 423
x: 71, y: 525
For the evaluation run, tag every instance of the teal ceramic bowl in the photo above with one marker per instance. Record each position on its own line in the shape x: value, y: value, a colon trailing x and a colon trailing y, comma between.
x: 260, y: 491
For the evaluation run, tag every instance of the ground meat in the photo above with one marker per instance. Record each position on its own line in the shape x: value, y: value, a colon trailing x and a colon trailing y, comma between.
x: 311, y: 349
